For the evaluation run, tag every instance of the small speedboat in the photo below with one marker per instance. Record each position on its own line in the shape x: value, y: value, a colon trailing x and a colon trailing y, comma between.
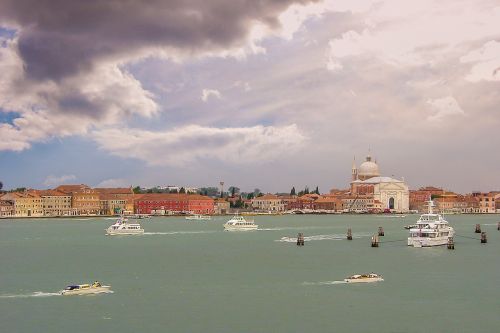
x: 85, y: 289
x: 372, y: 277
x: 410, y: 226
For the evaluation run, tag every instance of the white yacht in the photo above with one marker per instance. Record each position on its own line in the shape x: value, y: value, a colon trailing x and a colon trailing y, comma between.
x: 430, y: 230
x: 198, y: 217
x: 85, y: 289
x: 122, y: 227
x: 372, y: 277
x: 238, y: 222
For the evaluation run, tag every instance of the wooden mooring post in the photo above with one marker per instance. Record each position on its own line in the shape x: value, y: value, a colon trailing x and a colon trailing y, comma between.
x: 300, y: 239
x: 349, y: 234
x: 374, y: 241
x: 478, y: 229
x: 381, y: 231
x: 484, y: 240
x: 451, y: 243
x: 498, y: 226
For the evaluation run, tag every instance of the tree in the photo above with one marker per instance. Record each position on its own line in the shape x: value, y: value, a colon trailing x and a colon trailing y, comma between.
x: 174, y: 190
x: 182, y: 190
x: 256, y: 192
x: 316, y: 190
x: 137, y: 189
x: 292, y: 192
x: 1, y: 186
x: 250, y: 196
x: 233, y: 190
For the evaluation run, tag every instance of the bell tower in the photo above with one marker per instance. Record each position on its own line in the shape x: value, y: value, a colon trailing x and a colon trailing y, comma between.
x: 354, y: 171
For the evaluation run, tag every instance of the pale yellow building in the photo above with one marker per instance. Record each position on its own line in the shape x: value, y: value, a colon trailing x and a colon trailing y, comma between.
x: 268, y: 203
x: 56, y: 203
x: 26, y: 204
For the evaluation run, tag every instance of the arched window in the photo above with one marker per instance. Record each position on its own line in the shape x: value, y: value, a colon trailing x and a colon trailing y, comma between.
x: 391, y: 203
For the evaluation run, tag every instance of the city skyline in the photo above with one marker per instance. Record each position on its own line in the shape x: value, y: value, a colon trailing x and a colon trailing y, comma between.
x: 281, y: 94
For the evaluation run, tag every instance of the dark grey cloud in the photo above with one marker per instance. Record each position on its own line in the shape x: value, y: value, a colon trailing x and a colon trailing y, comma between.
x: 61, y: 38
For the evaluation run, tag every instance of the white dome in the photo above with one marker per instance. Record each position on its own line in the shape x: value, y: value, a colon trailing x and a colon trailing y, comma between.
x: 368, y: 169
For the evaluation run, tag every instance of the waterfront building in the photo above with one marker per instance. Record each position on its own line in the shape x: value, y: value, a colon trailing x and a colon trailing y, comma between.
x: 487, y: 201
x: 166, y: 203
x: 392, y: 193
x: 357, y: 203
x: 115, y: 200
x: 268, y: 203
x: 26, y: 204
x: 84, y: 201
x: 7, y: 208
x: 56, y: 203
x: 328, y: 203
x: 221, y: 206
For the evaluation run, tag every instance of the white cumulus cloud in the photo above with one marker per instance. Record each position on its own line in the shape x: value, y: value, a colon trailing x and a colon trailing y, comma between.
x: 207, y: 93
x: 444, y: 107
x: 58, y: 180
x: 188, y: 144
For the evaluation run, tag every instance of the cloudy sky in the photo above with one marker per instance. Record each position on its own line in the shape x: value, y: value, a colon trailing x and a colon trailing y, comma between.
x: 268, y: 94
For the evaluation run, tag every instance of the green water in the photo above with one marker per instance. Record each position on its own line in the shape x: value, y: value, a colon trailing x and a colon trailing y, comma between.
x: 189, y: 276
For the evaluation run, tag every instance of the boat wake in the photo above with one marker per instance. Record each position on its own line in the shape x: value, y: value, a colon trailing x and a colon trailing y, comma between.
x: 295, y: 228
x: 179, y: 232
x: 34, y: 294
x: 324, y: 283
x: 320, y: 237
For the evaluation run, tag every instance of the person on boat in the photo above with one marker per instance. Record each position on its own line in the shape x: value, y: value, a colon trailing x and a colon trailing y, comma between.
x: 96, y: 284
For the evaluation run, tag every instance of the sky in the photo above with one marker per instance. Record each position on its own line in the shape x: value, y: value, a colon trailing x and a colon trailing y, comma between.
x: 269, y: 94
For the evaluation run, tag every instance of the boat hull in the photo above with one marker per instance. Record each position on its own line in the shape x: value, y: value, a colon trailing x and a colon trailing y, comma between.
x: 87, y: 291
x: 242, y: 228
x: 124, y: 232
x: 427, y: 242
x: 365, y: 280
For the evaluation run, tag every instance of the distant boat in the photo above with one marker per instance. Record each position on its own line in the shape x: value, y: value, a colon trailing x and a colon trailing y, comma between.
x: 372, y: 277
x: 431, y: 230
x: 85, y: 289
x: 122, y: 227
x: 238, y: 223
x: 198, y: 217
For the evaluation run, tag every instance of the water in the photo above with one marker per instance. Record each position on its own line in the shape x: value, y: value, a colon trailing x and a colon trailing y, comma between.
x: 190, y: 276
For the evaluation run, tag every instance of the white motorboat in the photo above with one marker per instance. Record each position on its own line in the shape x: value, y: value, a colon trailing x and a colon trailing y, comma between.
x: 85, y: 289
x: 238, y: 222
x: 357, y: 278
x: 430, y: 230
x: 122, y: 227
x: 198, y: 217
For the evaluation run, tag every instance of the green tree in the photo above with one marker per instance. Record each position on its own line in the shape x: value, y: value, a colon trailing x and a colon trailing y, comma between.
x: 316, y: 190
x: 292, y: 192
x: 233, y: 190
x: 250, y: 196
x: 137, y: 189
x: 182, y: 190
x: 1, y: 186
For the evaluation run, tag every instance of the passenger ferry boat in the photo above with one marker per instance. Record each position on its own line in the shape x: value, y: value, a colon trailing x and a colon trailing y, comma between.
x: 239, y: 223
x: 357, y: 278
x: 430, y: 230
x: 198, y: 217
x: 122, y: 227
x: 85, y: 289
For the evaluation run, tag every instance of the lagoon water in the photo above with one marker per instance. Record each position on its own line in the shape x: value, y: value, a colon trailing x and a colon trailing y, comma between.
x: 190, y: 276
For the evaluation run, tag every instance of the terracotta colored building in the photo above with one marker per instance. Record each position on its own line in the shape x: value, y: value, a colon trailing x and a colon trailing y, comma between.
x: 176, y: 203
x: 85, y: 201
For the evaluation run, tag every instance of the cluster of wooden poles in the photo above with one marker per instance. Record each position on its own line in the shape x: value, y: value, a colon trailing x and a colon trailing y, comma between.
x: 375, y: 238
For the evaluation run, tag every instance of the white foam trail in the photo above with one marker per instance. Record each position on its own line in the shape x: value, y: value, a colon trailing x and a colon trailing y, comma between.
x: 297, y: 228
x: 35, y: 294
x: 320, y: 237
x: 324, y: 283
x: 180, y: 232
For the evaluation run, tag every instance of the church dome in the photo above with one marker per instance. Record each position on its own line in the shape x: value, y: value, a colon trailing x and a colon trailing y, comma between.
x: 368, y: 169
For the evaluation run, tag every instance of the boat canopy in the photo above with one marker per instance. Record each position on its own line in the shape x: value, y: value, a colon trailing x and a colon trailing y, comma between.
x: 72, y: 287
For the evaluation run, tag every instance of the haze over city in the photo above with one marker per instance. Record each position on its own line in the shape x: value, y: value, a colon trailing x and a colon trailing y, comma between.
x: 268, y: 94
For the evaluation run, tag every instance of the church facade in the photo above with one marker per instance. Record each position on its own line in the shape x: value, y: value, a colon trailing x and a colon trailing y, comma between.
x: 388, y: 193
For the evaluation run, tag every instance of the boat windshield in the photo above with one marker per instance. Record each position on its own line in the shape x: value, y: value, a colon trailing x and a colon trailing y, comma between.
x: 72, y: 287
